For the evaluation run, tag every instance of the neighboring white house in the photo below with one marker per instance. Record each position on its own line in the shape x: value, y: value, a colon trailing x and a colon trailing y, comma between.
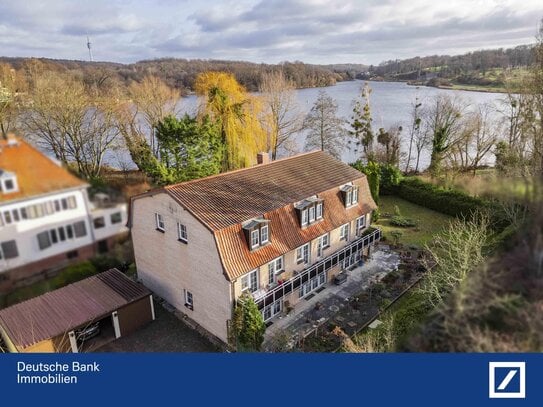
x: 46, y: 218
x: 278, y: 231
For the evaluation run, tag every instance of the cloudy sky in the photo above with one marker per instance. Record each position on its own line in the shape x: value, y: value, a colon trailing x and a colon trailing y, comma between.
x: 314, y: 31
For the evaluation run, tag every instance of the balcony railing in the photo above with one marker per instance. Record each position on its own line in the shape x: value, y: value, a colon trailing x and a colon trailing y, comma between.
x: 302, y: 277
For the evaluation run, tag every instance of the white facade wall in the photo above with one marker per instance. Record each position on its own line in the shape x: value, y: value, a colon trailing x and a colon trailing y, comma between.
x: 110, y: 228
x: 25, y: 231
x: 169, y: 267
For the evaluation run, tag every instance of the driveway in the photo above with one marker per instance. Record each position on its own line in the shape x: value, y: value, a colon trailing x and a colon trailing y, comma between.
x: 165, y: 334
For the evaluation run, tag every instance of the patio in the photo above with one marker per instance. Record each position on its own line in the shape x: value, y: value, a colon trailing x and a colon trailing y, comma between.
x: 325, y: 305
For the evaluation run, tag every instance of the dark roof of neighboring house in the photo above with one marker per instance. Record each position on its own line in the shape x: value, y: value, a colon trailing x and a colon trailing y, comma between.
x: 230, y: 198
x: 62, y: 310
x: 36, y: 173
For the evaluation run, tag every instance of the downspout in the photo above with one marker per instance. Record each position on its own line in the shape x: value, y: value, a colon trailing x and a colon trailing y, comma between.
x: 91, y: 223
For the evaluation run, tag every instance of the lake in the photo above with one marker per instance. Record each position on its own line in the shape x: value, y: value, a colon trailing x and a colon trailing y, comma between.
x: 391, y: 104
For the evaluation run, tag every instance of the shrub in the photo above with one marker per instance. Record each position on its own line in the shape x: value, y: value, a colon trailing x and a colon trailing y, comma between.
x: 402, y: 222
x: 390, y: 179
x: 396, y: 235
x: 74, y: 273
x: 450, y: 202
x: 103, y: 263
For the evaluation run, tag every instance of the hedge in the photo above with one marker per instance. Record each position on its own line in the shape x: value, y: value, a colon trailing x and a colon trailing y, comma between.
x: 449, y: 202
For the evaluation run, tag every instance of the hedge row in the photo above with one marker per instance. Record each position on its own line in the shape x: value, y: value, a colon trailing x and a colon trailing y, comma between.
x: 449, y: 202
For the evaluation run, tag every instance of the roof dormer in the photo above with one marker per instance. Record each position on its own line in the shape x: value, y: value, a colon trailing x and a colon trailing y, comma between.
x: 349, y: 193
x: 257, y: 232
x: 8, y: 182
x: 309, y: 210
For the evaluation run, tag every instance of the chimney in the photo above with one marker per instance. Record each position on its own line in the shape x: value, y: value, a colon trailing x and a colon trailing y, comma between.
x: 262, y: 158
x: 12, y: 140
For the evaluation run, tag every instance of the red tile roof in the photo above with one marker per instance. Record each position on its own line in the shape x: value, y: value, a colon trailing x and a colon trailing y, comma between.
x: 69, y: 307
x: 222, y: 202
x: 285, y: 231
x: 233, y: 197
x: 36, y: 173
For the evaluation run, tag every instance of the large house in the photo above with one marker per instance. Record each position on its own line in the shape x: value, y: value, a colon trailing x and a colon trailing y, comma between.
x: 279, y: 230
x: 46, y: 217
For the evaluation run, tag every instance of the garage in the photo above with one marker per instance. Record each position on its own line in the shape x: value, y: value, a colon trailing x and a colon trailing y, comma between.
x: 80, y: 317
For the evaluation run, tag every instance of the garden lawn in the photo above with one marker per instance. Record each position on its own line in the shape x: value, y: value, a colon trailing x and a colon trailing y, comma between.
x: 429, y: 222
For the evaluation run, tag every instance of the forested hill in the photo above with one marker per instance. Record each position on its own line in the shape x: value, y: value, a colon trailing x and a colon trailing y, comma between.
x: 485, y: 68
x: 181, y: 73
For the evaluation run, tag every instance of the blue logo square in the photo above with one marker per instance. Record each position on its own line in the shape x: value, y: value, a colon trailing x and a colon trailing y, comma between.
x: 507, y: 379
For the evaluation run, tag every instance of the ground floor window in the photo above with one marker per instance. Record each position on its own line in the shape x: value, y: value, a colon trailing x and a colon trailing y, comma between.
x: 351, y: 260
x: 272, y: 310
x: 189, y: 302
x: 312, y: 284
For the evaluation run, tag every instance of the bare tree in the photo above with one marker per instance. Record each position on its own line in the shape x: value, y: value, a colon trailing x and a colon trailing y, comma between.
x: 422, y: 139
x: 480, y: 135
x: 282, y: 115
x: 456, y: 251
x: 444, y: 120
x: 414, y: 132
x: 391, y: 141
x: 76, y: 125
x: 153, y: 100
x: 325, y: 128
x: 12, y: 87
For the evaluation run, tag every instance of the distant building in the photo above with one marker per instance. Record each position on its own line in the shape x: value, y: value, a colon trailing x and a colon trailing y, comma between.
x: 279, y: 231
x: 46, y: 218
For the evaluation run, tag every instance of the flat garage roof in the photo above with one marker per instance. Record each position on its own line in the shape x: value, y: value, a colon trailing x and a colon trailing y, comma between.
x: 67, y: 308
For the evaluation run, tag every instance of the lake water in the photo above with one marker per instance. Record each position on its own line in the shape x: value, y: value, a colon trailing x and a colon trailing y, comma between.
x: 391, y: 104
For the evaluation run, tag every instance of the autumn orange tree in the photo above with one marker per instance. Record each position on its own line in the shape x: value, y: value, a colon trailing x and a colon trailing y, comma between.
x: 238, y: 114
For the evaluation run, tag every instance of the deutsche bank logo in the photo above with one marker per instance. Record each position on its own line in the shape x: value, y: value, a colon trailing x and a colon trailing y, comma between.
x: 507, y: 380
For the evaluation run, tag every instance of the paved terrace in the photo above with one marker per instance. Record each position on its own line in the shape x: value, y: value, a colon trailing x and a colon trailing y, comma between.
x: 328, y: 300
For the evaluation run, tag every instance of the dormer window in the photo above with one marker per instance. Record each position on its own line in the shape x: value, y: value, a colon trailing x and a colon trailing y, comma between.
x: 8, y: 182
x: 309, y: 210
x: 257, y: 232
x: 350, y: 195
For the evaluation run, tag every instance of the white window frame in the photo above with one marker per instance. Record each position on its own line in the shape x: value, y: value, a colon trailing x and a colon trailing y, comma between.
x: 319, y: 210
x: 182, y: 234
x: 13, y: 180
x: 247, y: 281
x: 275, y: 267
x: 354, y: 199
x: 344, y: 232
x: 272, y: 310
x: 305, y: 217
x: 255, y: 238
x: 349, y: 197
x: 264, y: 238
x: 189, y: 299
x: 360, y: 224
x: 159, y: 220
x: 321, y: 246
x: 311, y: 214
x: 300, y: 254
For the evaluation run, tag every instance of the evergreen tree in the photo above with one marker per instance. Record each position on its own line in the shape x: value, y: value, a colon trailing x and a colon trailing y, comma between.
x: 247, y: 325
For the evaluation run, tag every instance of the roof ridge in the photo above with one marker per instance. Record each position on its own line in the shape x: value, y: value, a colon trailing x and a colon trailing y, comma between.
x: 192, y: 181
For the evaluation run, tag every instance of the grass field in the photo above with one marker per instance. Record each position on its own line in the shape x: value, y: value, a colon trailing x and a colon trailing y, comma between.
x: 429, y: 222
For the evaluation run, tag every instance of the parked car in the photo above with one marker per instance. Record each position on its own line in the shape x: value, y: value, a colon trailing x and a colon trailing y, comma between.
x: 90, y: 331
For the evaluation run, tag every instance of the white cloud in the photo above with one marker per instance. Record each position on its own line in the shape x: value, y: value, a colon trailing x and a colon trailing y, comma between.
x: 319, y: 31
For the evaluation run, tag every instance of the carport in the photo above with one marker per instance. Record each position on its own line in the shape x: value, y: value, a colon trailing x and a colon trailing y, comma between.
x: 78, y: 317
